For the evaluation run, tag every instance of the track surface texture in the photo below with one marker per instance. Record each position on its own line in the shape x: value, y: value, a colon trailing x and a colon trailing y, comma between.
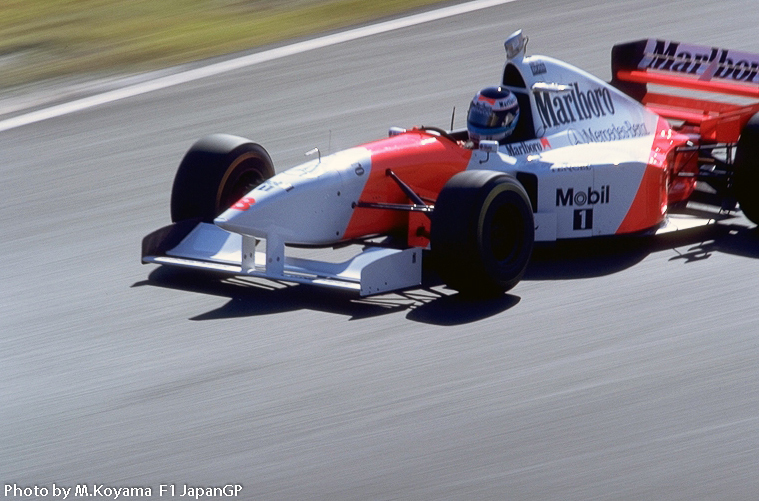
x: 611, y: 372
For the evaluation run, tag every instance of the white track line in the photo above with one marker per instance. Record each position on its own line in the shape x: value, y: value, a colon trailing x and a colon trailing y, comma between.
x: 243, y: 62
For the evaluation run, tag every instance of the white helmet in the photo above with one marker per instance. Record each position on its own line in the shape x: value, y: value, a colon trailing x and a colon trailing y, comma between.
x: 493, y: 114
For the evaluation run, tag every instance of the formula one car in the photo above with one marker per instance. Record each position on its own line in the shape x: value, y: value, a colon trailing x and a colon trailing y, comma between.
x: 585, y: 158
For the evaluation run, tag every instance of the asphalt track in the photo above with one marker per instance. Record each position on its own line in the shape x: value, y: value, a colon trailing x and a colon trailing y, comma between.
x: 611, y: 372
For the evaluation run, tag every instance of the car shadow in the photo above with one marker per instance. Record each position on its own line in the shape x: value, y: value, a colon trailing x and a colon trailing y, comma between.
x: 590, y: 258
x: 735, y: 240
x: 253, y: 297
x: 435, y: 304
x: 586, y: 258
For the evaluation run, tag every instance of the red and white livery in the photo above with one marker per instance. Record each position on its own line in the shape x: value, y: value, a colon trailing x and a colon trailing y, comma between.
x: 587, y: 158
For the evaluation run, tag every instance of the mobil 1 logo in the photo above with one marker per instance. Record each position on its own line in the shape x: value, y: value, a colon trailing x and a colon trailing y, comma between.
x: 583, y: 219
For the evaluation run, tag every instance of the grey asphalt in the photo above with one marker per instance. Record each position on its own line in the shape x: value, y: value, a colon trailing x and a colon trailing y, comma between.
x: 611, y: 372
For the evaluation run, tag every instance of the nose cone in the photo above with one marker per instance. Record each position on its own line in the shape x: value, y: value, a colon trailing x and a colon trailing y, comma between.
x: 310, y: 204
x: 262, y: 209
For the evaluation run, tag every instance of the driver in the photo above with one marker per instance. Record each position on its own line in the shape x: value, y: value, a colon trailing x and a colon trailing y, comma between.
x: 493, y: 115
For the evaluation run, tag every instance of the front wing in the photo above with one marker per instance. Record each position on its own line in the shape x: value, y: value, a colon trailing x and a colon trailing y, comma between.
x: 204, y: 246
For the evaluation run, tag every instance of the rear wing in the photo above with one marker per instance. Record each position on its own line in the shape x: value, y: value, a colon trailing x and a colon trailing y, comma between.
x: 676, y: 65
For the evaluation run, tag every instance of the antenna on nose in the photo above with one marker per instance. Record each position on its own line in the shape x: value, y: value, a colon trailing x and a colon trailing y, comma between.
x: 313, y: 151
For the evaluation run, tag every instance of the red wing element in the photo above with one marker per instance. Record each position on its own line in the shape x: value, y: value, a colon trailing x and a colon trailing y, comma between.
x: 636, y: 65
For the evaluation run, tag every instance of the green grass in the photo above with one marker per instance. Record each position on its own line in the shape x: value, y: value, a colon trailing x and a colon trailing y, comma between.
x: 42, y: 39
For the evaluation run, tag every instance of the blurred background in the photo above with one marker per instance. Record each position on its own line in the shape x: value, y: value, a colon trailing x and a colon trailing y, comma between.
x: 43, y: 39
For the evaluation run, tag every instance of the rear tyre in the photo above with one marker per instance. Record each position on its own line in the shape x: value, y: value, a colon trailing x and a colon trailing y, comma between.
x: 746, y: 174
x: 482, y: 232
x: 215, y: 173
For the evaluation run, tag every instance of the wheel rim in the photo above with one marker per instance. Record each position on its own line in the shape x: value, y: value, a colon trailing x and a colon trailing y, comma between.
x: 240, y: 186
x: 244, y: 175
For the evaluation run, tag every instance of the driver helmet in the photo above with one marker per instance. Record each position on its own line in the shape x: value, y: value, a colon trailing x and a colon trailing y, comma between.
x: 493, y: 114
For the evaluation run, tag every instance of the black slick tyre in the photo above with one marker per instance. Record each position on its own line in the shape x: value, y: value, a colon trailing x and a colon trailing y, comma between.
x: 482, y: 232
x: 215, y: 173
x: 746, y: 174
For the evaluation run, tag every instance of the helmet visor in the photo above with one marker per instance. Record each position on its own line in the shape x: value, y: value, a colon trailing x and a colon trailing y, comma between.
x: 483, y: 116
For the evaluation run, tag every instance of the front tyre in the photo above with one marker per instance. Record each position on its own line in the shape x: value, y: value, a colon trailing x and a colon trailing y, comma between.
x: 215, y: 173
x: 482, y: 232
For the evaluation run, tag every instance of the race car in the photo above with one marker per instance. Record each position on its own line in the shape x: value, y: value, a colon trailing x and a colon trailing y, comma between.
x: 551, y: 153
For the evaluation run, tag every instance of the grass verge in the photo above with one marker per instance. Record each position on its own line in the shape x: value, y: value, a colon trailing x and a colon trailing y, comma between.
x: 44, y: 39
